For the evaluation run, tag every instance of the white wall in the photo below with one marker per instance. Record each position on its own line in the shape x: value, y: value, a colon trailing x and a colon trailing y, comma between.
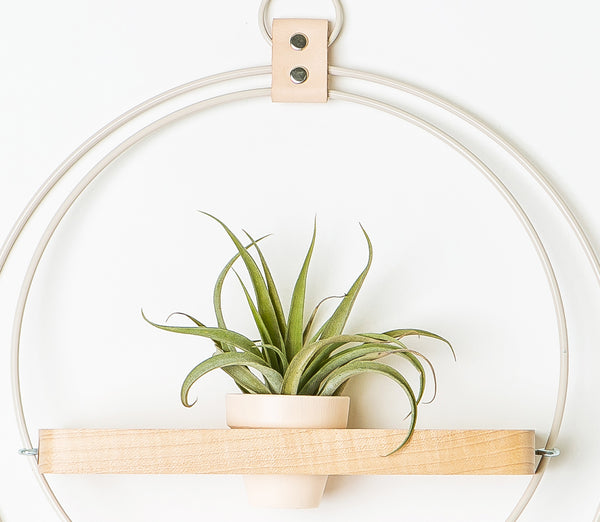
x: 450, y: 255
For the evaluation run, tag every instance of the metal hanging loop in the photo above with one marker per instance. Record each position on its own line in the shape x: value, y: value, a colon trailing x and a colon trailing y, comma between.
x: 264, y: 23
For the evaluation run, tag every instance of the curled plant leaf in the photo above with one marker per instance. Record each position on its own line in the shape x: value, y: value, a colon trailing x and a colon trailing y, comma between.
x: 223, y: 360
x: 219, y: 335
x: 217, y: 293
x: 245, y: 380
x: 293, y: 375
x: 400, y: 334
x: 190, y: 317
x: 355, y: 368
x: 364, y: 352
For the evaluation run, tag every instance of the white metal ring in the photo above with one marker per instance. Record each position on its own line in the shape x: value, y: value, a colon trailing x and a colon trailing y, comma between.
x: 264, y: 23
x: 251, y: 72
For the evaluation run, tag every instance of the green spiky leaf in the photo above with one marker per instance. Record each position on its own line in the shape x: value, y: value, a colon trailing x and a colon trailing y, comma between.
x: 335, y: 324
x: 264, y: 304
x: 295, y: 328
x: 293, y: 375
x: 271, y: 287
x: 355, y: 368
x: 364, y: 352
x: 224, y: 360
x: 218, y: 335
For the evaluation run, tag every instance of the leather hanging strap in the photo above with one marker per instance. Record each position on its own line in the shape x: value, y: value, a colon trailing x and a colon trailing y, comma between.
x: 300, y: 60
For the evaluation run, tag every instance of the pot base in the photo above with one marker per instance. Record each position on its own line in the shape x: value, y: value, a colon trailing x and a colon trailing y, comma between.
x: 285, y: 491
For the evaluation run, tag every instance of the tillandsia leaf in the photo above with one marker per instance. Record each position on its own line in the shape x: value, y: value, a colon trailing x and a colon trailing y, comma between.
x: 295, y: 327
x: 320, y: 359
x: 224, y: 360
x: 215, y: 334
x: 218, y: 290
x: 352, y: 369
x: 294, y: 373
x: 335, y: 324
x: 262, y: 329
x: 311, y: 386
x: 264, y: 304
x: 245, y: 380
x: 221, y: 323
x: 271, y: 287
x: 313, y: 315
x: 280, y: 354
x: 365, y: 352
x: 399, y: 334
x: 190, y: 317
x: 396, y: 340
x: 220, y: 346
x: 317, y: 363
x: 374, y: 352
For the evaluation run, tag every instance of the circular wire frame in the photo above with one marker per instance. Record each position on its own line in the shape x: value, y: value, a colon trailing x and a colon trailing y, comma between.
x: 144, y: 107
x: 263, y: 21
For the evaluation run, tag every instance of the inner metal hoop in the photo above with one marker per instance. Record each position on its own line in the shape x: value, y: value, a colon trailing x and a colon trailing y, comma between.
x: 243, y: 95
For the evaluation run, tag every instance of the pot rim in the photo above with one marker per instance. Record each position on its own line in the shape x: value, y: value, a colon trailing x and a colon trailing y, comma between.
x: 286, y: 411
x: 267, y: 396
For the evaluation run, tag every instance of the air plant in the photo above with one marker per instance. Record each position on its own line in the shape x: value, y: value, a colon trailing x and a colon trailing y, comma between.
x: 290, y: 356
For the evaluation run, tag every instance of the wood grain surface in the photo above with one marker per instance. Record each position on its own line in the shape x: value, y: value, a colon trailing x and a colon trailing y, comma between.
x: 287, y: 451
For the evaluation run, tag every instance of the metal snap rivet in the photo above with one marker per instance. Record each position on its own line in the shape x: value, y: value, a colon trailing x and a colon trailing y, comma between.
x: 298, y: 41
x: 299, y: 75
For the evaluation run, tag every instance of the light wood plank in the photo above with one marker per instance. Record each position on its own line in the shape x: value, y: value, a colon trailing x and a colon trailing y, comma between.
x: 286, y: 451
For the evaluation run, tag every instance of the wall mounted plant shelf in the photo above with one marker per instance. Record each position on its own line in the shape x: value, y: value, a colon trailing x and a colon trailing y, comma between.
x: 297, y: 451
x: 286, y: 451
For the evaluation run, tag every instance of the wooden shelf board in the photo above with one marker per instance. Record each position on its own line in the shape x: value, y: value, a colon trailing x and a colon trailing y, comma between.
x: 287, y: 451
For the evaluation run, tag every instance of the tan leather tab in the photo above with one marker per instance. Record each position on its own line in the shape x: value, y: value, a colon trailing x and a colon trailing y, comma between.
x: 311, y: 57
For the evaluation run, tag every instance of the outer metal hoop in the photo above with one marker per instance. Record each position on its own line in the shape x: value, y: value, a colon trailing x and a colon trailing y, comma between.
x: 240, y: 95
x: 264, y: 23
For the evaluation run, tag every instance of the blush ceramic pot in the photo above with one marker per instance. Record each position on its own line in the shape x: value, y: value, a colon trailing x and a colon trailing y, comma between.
x: 286, y: 411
